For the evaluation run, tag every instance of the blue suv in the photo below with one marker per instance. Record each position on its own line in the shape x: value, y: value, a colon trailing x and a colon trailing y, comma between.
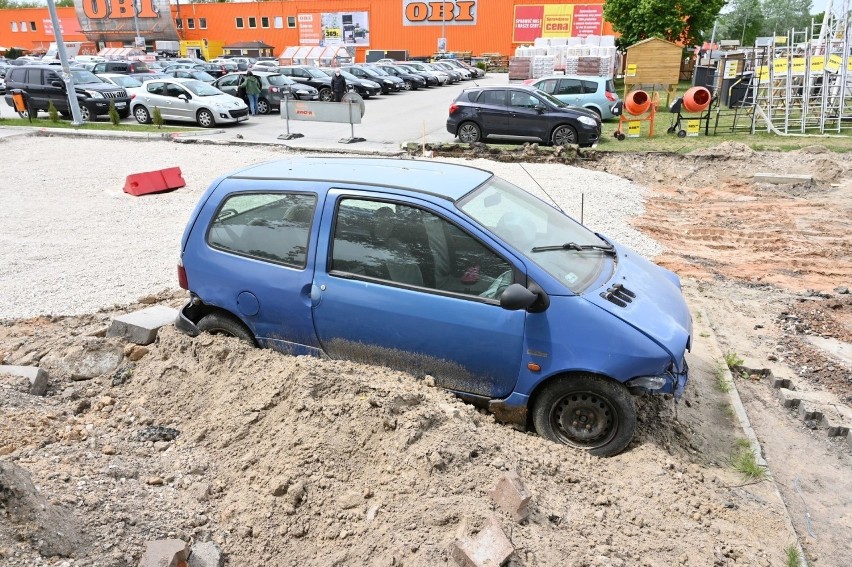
x: 443, y: 270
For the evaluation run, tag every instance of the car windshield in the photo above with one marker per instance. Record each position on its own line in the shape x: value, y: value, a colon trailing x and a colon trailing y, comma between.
x: 525, y: 222
x: 202, y: 76
x: 141, y: 67
x: 378, y: 71
x: 315, y: 72
x: 369, y: 71
x: 81, y: 76
x: 126, y: 81
x: 201, y: 89
x: 279, y: 80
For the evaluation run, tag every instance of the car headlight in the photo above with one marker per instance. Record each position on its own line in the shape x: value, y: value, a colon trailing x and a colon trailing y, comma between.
x: 588, y: 121
x: 94, y: 94
x: 302, y: 91
x: 387, y: 81
x: 371, y: 84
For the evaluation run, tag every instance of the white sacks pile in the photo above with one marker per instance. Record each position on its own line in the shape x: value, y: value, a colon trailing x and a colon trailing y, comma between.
x: 592, y: 55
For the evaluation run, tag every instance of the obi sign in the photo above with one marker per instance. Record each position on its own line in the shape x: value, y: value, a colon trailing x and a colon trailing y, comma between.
x: 113, y: 20
x: 557, y: 20
x: 431, y: 13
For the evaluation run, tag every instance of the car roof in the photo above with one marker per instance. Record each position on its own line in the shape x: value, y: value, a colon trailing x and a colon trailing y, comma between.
x: 445, y: 180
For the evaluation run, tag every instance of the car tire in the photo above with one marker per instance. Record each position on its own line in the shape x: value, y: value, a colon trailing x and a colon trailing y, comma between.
x: 142, y: 115
x: 262, y: 106
x: 225, y: 324
x: 85, y: 114
x: 205, y: 118
x: 469, y: 132
x: 563, y: 135
x: 326, y: 95
x: 602, y: 412
x: 407, y: 85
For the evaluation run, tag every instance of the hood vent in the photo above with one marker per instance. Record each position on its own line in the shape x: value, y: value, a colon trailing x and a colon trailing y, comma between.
x: 619, y: 295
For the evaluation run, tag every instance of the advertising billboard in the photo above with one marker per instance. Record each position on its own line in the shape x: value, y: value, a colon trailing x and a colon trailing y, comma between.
x: 556, y: 20
x: 446, y: 13
x: 334, y: 28
x: 113, y: 20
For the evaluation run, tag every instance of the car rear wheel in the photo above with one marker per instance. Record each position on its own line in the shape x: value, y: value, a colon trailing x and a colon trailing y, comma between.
x: 469, y: 132
x: 262, y: 106
x: 587, y: 412
x: 142, y: 115
x: 564, y: 135
x: 326, y: 95
x: 205, y: 118
x: 224, y: 324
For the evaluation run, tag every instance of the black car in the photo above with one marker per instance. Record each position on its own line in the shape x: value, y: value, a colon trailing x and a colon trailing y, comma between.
x: 124, y: 67
x: 221, y: 69
x: 411, y: 82
x: 363, y: 87
x: 366, y: 74
x: 431, y: 79
x: 519, y: 111
x: 41, y: 85
x: 382, y: 77
x: 310, y: 76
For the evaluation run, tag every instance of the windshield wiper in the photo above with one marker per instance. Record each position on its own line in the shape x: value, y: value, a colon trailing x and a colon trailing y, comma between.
x: 607, y: 249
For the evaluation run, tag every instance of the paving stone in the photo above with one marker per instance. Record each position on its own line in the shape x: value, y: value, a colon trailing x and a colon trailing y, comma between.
x: 36, y: 376
x: 512, y: 496
x: 141, y: 327
x: 807, y: 412
x: 782, y: 178
x: 165, y: 553
x: 781, y: 383
x: 206, y: 554
x: 788, y: 398
x: 489, y: 548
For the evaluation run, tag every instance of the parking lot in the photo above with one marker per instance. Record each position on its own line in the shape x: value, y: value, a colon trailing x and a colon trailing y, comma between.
x: 388, y: 120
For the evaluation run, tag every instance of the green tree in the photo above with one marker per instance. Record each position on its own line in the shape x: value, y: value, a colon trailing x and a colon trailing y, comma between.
x: 781, y: 16
x: 64, y: 3
x: 744, y: 22
x: 686, y: 21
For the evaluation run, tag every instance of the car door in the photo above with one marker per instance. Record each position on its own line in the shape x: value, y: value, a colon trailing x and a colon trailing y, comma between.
x: 53, y: 89
x: 181, y: 109
x: 229, y: 84
x: 391, y: 293
x: 528, y: 115
x: 155, y: 97
x: 492, y: 112
x: 570, y: 91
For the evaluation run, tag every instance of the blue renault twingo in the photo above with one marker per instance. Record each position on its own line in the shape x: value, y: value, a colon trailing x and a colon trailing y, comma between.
x: 443, y: 270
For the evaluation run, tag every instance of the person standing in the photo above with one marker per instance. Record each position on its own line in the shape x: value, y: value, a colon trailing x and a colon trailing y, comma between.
x: 338, y: 85
x: 252, y: 86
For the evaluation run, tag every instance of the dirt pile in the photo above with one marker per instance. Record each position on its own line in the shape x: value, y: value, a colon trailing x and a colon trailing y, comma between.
x: 299, y: 461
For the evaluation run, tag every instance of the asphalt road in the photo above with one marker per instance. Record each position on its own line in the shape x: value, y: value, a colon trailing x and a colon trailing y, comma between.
x: 388, y: 121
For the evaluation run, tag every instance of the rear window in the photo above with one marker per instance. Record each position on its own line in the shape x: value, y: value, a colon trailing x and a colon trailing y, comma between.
x: 273, y: 227
x: 590, y: 87
x: 610, y: 86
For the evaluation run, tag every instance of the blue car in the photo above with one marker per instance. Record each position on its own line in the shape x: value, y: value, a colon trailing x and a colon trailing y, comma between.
x: 442, y: 270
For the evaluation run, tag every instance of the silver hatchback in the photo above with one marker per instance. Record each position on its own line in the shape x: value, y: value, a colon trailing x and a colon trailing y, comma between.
x: 187, y: 100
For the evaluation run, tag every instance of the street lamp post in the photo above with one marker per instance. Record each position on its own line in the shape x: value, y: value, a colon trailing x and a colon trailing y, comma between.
x: 70, y: 91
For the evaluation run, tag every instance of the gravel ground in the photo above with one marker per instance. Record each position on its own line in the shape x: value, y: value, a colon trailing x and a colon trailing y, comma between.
x: 73, y: 242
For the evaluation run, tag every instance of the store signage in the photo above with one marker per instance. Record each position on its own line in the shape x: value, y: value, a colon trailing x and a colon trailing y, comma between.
x: 557, y: 20
x: 430, y: 13
x: 334, y: 28
x: 113, y: 20
x: 103, y: 9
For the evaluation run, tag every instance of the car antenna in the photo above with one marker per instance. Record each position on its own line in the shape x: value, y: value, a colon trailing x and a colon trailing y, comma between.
x: 542, y: 189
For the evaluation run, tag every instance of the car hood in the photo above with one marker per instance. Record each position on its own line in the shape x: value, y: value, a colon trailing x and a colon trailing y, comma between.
x: 657, y: 307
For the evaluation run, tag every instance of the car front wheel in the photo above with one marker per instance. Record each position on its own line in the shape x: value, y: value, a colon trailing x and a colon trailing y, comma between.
x: 326, y: 95
x: 205, y: 118
x: 469, y: 132
x: 142, y: 115
x: 564, y: 135
x: 587, y: 412
x: 225, y: 324
x: 407, y: 85
x: 85, y: 113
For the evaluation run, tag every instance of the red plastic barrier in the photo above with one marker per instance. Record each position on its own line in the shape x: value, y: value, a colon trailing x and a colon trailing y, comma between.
x: 154, y: 181
x: 696, y: 99
x: 637, y: 102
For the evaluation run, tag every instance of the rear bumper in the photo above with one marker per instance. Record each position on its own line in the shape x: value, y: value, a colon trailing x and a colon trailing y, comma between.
x: 184, y: 324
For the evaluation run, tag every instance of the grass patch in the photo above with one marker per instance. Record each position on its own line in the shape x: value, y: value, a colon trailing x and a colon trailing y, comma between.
x: 704, y: 334
x: 729, y: 411
x: 720, y: 373
x: 106, y: 125
x: 732, y: 359
x: 744, y: 461
x: 794, y: 559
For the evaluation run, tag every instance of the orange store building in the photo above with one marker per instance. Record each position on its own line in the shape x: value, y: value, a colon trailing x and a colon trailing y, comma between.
x: 416, y: 26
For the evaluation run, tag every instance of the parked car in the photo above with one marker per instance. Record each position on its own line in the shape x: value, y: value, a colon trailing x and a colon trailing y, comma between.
x: 389, y: 83
x: 520, y: 111
x: 595, y: 93
x: 364, y: 87
x: 124, y: 67
x: 476, y: 71
x: 188, y: 100
x: 42, y: 85
x: 312, y: 76
x: 273, y: 89
x: 196, y: 74
x: 2, y: 85
x: 440, y: 77
x: 132, y: 85
x: 410, y: 81
x: 454, y: 72
x: 430, y: 78
x: 142, y: 77
x: 169, y: 69
x: 445, y: 270
x: 265, y: 64
x: 221, y: 69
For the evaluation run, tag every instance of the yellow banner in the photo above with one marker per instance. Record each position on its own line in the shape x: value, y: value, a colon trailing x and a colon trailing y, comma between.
x: 631, y: 70
x: 693, y: 127
x: 779, y: 66
x: 817, y: 64
x: 634, y: 128
x: 780, y: 40
x: 799, y: 65
x: 557, y: 20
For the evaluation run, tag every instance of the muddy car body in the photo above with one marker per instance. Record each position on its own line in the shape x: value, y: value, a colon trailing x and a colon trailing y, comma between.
x: 440, y: 270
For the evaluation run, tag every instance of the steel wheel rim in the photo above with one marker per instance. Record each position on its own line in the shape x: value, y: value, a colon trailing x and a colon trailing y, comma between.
x: 584, y: 419
x: 563, y: 136
x: 262, y: 107
x: 468, y: 133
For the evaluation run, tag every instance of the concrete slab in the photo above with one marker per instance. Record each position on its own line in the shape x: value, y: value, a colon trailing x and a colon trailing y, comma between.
x: 141, y: 327
x: 165, y: 553
x: 782, y: 178
x: 36, y: 376
x: 206, y: 554
x: 838, y: 349
x: 490, y: 547
x: 788, y: 398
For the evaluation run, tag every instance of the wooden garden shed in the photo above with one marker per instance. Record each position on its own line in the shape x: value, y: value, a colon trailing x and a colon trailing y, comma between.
x: 657, y: 62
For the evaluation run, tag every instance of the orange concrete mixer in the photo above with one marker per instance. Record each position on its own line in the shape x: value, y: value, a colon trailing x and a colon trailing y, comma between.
x: 696, y: 99
x: 637, y: 102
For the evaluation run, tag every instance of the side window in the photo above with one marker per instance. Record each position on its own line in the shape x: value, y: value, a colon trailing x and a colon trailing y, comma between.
x: 99, y: 68
x: 590, y: 87
x: 174, y: 90
x: 18, y: 75
x: 51, y: 76
x: 156, y: 88
x: 269, y: 226
x: 522, y: 99
x: 406, y: 245
x: 228, y: 81
x: 495, y: 97
x: 569, y: 87
x: 547, y: 86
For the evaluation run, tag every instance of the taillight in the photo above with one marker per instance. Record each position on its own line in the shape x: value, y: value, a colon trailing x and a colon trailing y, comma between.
x: 273, y: 89
x: 453, y: 108
x: 182, y: 281
x: 610, y: 96
x: 132, y: 96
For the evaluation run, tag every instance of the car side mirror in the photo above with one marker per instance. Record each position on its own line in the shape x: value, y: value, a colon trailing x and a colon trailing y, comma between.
x: 539, y: 108
x: 517, y: 297
x: 184, y: 97
x: 57, y: 84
